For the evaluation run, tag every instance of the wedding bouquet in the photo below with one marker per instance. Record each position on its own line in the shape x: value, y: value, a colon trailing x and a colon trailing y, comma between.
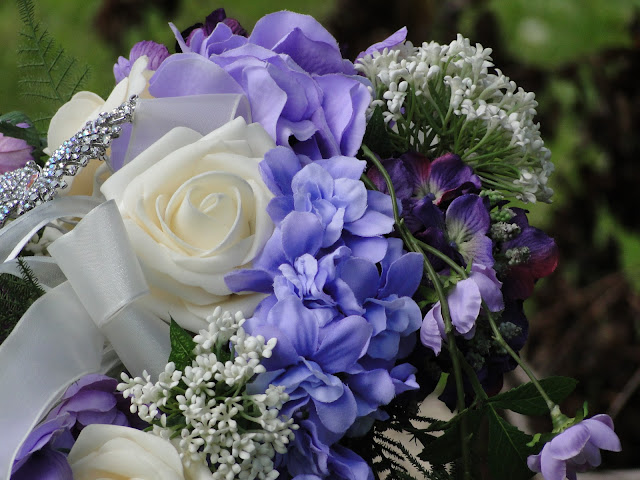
x: 256, y: 259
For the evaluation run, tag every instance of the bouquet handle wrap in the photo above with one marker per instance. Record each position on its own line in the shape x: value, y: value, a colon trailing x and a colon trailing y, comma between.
x: 67, y: 326
x: 108, y: 289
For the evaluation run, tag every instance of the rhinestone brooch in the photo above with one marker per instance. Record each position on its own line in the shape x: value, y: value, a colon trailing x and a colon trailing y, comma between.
x: 23, y: 189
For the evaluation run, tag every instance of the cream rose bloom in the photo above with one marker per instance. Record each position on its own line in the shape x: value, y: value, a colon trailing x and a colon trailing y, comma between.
x: 195, y: 208
x: 84, y: 106
x: 104, y: 452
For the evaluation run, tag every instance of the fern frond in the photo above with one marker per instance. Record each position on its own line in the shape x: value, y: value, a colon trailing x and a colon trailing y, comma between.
x: 17, y: 294
x: 49, y: 73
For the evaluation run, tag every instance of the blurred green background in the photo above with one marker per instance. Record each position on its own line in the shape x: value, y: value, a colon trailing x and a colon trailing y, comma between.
x: 581, y: 57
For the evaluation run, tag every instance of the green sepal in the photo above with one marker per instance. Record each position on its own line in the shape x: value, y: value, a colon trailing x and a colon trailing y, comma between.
x: 526, y: 399
x: 508, y: 451
x: 376, y: 136
x: 182, y: 346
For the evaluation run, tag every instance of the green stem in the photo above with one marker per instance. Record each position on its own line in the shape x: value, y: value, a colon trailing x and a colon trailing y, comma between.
x: 433, y: 275
x: 503, y: 343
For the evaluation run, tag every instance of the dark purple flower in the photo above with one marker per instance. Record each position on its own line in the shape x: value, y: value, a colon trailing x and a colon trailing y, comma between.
x: 92, y: 399
x: 575, y: 450
x: 539, y: 258
x: 299, y: 87
x: 155, y: 52
x: 14, y: 152
x: 200, y: 30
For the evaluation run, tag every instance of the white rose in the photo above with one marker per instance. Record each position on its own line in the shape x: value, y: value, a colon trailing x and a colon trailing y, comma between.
x: 195, y: 209
x: 84, y: 106
x: 104, y: 452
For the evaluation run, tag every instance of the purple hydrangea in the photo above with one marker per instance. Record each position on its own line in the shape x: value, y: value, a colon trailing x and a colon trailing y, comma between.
x: 340, y: 304
x: 92, y: 399
x: 155, y: 52
x: 575, y: 450
x: 299, y: 87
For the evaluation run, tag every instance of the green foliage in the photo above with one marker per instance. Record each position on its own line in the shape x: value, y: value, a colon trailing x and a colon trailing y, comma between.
x: 17, y: 294
x: 550, y: 33
x: 526, y: 399
x: 508, y: 450
x: 182, y: 346
x: 376, y: 137
x: 48, y: 73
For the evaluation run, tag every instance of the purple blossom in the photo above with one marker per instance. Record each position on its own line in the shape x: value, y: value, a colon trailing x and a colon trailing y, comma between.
x: 199, y: 31
x: 299, y: 87
x: 541, y: 258
x: 575, y: 450
x: 309, y: 459
x: 14, y: 152
x: 156, y: 53
x: 92, y: 399
x: 465, y: 301
x: 392, y: 41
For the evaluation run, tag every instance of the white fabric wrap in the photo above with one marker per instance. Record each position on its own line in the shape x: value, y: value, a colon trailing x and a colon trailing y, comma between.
x: 203, y: 113
x: 62, y: 336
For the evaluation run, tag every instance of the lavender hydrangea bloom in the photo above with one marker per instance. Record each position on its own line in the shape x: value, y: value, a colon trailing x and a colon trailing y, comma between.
x: 576, y: 450
x: 297, y: 83
x: 156, y: 53
x: 92, y: 399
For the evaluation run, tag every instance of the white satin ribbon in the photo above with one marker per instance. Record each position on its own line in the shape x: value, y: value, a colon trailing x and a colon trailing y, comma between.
x: 108, y: 281
x: 61, y: 337
x: 54, y: 344
x: 155, y: 117
x: 17, y: 233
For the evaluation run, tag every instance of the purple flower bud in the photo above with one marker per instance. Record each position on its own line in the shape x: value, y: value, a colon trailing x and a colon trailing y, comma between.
x: 576, y: 450
x: 156, y: 53
x: 14, y: 152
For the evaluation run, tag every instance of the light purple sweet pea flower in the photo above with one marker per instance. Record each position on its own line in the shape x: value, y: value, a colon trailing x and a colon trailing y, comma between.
x: 299, y: 87
x: 14, y: 152
x: 576, y: 450
x: 465, y: 301
x: 156, y: 53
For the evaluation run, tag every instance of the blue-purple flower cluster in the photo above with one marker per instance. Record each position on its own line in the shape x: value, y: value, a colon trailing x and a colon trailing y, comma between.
x: 340, y: 305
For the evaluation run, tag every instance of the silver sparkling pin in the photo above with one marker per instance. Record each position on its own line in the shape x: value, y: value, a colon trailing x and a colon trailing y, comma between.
x: 23, y: 189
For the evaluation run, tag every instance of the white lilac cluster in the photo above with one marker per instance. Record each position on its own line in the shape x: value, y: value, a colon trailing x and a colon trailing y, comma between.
x: 460, y: 73
x: 205, y: 411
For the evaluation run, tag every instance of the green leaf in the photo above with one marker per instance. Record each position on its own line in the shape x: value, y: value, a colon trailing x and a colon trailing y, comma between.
x: 526, y: 399
x: 447, y: 447
x: 182, y: 346
x: 508, y: 450
x: 376, y: 137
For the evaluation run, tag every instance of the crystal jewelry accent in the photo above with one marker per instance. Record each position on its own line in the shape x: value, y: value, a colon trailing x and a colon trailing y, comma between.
x: 25, y: 188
